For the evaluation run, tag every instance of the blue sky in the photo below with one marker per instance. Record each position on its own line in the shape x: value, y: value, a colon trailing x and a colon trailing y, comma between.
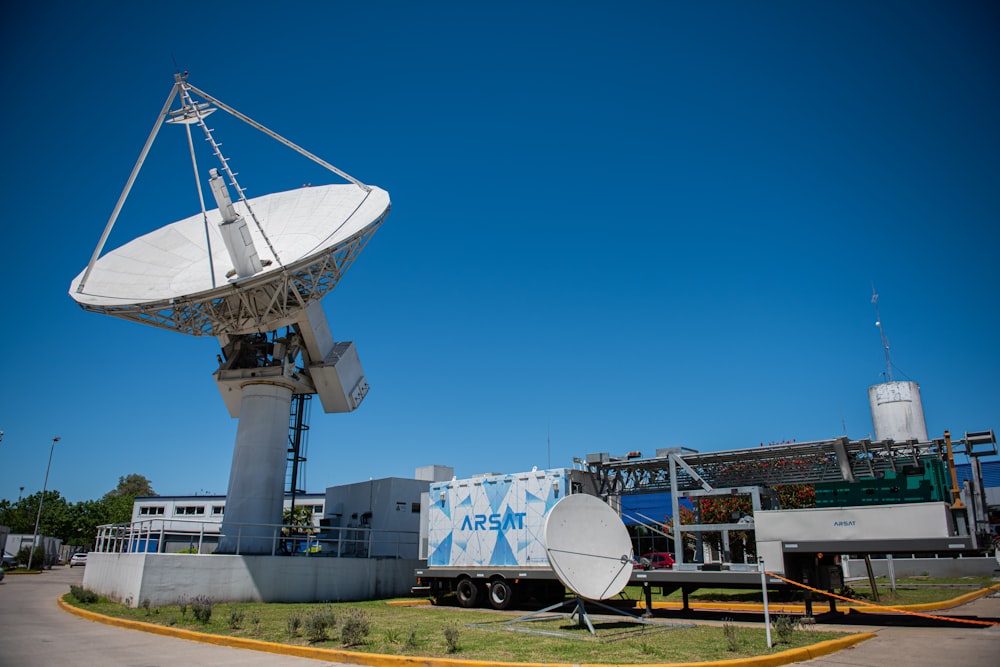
x: 615, y: 226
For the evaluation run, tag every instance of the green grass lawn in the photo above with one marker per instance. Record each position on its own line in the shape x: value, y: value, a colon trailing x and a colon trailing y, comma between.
x: 468, y: 634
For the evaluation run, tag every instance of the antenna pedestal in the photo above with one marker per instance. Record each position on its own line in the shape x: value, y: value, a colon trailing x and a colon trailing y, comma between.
x: 255, y: 499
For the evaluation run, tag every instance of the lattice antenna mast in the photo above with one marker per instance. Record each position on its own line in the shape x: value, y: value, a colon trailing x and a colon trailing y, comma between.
x: 881, y: 331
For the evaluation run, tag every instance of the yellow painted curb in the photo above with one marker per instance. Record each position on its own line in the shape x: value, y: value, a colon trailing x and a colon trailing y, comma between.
x: 932, y: 606
x: 382, y: 660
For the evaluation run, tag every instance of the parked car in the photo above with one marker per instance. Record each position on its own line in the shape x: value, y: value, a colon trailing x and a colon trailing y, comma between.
x: 78, y: 559
x: 9, y: 560
x: 660, y: 560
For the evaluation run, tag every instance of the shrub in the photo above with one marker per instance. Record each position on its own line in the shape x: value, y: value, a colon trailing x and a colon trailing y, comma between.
x: 201, y: 608
x: 82, y: 595
x: 355, y: 628
x: 254, y: 620
x: 318, y: 622
x: 785, y: 627
x: 184, y: 608
x: 731, y: 634
x: 451, y: 634
x: 236, y: 616
x: 293, y: 623
x: 37, y: 560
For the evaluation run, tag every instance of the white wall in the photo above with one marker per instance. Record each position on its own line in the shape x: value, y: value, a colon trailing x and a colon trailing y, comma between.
x: 166, y: 579
x: 932, y: 567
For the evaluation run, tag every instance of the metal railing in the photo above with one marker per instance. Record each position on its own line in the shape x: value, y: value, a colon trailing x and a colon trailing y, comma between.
x: 192, y: 536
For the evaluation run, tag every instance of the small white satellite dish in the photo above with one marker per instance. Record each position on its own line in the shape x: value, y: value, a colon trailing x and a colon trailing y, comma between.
x: 588, y: 547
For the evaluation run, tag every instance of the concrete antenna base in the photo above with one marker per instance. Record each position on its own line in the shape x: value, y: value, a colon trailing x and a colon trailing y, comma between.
x: 255, y: 500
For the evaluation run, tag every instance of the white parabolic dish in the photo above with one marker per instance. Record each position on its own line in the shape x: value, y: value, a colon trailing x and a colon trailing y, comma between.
x: 169, y: 278
x: 588, y: 547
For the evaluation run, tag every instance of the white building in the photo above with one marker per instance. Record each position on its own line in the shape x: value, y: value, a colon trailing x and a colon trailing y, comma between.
x: 192, y: 523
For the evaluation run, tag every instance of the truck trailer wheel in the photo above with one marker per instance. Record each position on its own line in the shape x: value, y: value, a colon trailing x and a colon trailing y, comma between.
x: 501, y: 594
x: 468, y: 592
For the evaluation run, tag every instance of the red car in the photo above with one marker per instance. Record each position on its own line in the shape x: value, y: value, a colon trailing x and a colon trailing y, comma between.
x: 660, y: 560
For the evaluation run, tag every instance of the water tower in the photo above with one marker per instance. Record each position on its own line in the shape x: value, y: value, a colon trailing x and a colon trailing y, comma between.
x: 897, y: 412
x: 250, y: 272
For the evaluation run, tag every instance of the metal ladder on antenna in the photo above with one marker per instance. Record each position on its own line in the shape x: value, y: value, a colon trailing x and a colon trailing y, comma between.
x: 298, y: 431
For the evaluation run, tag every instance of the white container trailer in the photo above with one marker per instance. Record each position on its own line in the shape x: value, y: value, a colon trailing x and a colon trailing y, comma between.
x: 794, y: 541
x: 484, y: 539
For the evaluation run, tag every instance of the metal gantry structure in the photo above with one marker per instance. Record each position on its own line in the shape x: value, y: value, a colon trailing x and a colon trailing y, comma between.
x: 755, y: 472
x: 838, y: 459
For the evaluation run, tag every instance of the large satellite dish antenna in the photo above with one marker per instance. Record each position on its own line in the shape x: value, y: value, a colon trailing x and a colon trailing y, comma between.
x: 590, y: 551
x: 241, y: 272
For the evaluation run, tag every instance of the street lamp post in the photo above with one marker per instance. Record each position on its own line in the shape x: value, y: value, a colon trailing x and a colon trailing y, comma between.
x: 41, y: 499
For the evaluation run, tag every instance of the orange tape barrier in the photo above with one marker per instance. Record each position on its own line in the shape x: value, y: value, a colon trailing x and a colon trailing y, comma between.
x: 878, y: 606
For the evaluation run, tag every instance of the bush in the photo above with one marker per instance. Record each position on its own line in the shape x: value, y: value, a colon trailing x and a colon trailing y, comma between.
x: 731, y: 634
x: 236, y: 616
x: 785, y: 627
x: 254, y: 619
x: 201, y: 608
x: 451, y: 634
x: 355, y: 628
x: 293, y: 623
x: 37, y: 560
x: 82, y: 595
x: 318, y: 622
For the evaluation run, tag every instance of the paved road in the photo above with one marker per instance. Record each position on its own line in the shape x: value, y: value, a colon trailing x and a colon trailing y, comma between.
x: 35, y: 632
x: 918, y: 645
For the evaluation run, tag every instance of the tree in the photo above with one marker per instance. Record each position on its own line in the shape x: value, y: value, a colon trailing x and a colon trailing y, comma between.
x: 133, y: 485
x: 74, y: 523
x: 298, y: 520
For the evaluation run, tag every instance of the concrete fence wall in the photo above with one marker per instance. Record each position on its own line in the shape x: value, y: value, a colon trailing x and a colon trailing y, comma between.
x: 164, y: 579
x: 932, y: 567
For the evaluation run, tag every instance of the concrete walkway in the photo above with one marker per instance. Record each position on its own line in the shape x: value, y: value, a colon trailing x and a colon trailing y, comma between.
x: 35, y: 632
x: 917, y: 645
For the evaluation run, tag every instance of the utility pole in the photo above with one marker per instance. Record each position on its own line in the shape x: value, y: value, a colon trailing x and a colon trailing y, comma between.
x: 41, y: 499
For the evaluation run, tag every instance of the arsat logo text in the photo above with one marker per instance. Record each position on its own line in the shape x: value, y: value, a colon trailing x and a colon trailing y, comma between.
x: 843, y: 523
x: 493, y: 521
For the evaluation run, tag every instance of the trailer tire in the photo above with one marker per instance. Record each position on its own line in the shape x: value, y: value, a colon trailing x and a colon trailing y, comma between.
x: 468, y: 593
x: 501, y: 594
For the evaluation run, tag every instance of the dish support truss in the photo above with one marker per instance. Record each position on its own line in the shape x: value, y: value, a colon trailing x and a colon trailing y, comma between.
x: 266, y: 302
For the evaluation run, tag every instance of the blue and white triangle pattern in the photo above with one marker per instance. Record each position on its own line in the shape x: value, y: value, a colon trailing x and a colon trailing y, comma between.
x: 492, y: 520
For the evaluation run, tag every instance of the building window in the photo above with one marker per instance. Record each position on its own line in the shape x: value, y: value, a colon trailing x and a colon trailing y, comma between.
x: 415, y: 508
x: 151, y: 510
x: 182, y: 510
x: 217, y: 510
